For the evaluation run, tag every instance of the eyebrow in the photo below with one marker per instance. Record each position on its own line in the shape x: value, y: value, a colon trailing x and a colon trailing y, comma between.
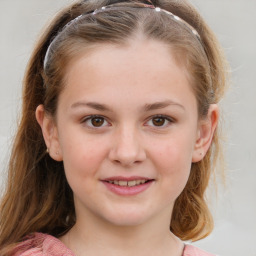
x: 145, y: 108
x: 161, y: 104
x: 94, y: 105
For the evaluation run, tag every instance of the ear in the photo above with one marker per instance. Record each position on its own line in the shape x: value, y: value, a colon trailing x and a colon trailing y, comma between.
x: 206, y: 129
x: 50, y: 133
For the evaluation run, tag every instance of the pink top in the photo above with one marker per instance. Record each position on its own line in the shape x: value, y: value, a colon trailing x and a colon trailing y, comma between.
x: 45, y: 245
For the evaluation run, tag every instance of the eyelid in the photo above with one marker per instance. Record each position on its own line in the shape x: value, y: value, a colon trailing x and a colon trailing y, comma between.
x: 166, y: 117
x: 90, y: 117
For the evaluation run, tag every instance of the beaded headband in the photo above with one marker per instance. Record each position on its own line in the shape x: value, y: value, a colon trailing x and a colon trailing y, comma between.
x: 113, y: 7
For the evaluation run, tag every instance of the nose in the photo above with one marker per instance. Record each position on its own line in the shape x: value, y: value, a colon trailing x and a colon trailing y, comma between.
x: 127, y: 148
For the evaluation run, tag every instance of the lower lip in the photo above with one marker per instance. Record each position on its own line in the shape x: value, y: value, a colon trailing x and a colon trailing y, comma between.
x: 127, y: 191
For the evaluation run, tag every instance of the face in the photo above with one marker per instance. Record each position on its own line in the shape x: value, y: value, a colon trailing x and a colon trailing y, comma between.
x: 127, y: 131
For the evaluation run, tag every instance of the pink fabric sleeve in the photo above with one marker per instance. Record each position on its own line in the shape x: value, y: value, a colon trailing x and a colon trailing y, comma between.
x: 40, y: 244
x: 191, y: 250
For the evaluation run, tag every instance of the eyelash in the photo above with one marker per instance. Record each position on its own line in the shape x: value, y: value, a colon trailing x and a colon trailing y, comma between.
x: 167, y: 120
x: 90, y: 118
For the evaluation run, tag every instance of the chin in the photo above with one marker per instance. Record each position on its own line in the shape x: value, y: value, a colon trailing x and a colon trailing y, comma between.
x: 127, y: 218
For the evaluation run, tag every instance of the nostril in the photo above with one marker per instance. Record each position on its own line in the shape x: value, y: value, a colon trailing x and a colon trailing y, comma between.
x: 127, y: 151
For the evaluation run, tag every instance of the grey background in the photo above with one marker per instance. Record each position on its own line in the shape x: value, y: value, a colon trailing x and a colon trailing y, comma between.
x: 234, y: 22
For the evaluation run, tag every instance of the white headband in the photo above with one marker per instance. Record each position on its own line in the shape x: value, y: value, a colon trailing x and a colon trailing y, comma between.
x: 113, y: 7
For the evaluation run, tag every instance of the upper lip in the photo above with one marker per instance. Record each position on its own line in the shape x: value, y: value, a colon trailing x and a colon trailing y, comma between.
x: 121, y: 178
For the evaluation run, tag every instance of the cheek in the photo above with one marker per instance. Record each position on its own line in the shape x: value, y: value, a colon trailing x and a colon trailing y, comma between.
x: 81, y: 169
x: 173, y: 163
x: 82, y: 159
x: 173, y: 154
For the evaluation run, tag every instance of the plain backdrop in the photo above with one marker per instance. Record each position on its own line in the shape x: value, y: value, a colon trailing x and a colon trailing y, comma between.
x: 234, y: 22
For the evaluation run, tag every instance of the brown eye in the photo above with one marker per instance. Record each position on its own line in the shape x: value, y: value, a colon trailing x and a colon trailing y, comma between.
x: 158, y: 121
x: 97, y: 121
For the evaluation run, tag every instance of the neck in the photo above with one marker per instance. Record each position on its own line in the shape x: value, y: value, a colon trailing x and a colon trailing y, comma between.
x: 98, y: 237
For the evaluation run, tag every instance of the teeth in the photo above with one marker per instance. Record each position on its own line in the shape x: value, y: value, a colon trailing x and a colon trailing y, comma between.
x: 137, y: 182
x: 122, y: 183
x: 130, y: 183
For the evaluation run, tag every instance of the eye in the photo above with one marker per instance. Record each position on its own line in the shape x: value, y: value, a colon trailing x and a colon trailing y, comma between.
x: 160, y: 121
x: 95, y: 121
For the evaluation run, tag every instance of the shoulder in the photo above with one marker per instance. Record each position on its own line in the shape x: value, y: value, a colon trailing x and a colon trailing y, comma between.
x: 39, y: 244
x: 191, y: 250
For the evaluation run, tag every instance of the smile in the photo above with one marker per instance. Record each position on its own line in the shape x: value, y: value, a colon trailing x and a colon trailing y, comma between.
x: 130, y: 183
x: 128, y: 186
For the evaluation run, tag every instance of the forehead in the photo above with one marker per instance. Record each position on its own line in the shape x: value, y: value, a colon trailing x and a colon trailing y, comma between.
x: 143, y: 71
x: 137, y: 56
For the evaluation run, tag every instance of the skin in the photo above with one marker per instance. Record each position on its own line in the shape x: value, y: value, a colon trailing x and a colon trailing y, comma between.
x: 131, y: 140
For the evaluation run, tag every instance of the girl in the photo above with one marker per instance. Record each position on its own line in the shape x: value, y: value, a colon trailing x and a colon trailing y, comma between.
x: 118, y: 136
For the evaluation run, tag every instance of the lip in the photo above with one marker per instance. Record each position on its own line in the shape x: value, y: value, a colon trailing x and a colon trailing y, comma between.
x: 127, y: 178
x: 127, y: 191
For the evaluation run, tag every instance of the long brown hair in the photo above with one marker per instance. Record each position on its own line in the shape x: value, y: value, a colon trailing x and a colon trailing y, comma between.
x: 38, y: 197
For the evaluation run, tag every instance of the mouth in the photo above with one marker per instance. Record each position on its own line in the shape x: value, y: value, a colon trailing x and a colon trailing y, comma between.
x: 130, y: 183
x: 128, y: 186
